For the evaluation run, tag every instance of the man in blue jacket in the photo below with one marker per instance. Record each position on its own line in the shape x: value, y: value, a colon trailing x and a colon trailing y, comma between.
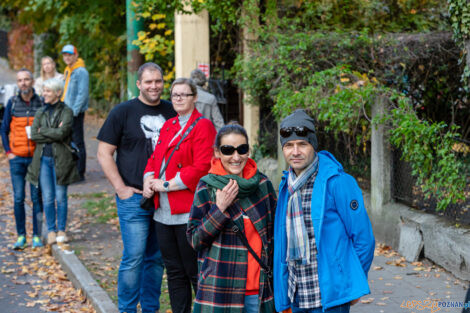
x: 75, y: 96
x: 323, y: 240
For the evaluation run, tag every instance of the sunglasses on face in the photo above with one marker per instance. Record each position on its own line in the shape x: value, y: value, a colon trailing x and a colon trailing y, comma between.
x: 229, y: 150
x: 299, y: 131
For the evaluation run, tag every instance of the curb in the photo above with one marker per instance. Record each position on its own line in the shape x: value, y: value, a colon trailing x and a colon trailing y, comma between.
x: 82, y: 279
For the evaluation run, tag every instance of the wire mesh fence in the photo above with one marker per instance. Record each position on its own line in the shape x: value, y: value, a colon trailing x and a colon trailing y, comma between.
x: 406, y: 190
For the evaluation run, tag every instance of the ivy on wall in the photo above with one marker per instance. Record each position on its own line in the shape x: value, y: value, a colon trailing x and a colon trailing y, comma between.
x: 459, y: 11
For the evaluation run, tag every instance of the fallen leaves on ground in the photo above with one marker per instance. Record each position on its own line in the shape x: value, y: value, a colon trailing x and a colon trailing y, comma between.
x: 367, y: 301
x: 384, y: 250
x: 400, y: 262
x: 51, y: 289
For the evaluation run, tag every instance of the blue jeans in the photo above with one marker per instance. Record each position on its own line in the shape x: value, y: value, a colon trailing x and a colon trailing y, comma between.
x: 18, y: 168
x: 141, y: 270
x: 251, y: 304
x: 344, y: 308
x: 50, y: 193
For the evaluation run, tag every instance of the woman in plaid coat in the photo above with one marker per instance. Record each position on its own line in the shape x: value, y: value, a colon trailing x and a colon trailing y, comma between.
x: 234, y: 193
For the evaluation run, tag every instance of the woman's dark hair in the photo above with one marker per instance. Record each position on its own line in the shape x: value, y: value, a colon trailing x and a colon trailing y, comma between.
x: 231, y: 128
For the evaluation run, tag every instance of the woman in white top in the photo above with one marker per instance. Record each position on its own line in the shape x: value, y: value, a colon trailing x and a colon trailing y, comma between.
x: 48, y: 71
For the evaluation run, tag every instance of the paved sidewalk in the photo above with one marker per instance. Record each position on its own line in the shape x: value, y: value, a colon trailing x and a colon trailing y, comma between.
x: 394, y: 282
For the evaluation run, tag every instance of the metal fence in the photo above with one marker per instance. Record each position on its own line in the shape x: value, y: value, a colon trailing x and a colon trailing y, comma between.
x: 405, y: 190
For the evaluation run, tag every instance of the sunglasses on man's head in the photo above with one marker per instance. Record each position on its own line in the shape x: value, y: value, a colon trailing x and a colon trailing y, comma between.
x: 299, y: 131
x: 229, y: 150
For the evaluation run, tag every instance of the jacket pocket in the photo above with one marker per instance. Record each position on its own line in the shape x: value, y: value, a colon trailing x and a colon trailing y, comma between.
x: 205, y: 270
x: 342, y: 279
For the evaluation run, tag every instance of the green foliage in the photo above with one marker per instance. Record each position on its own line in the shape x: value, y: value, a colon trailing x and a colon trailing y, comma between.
x: 96, y: 28
x: 429, y: 147
x: 5, y: 21
x: 223, y: 12
x: 373, y: 15
x: 156, y: 43
x: 309, y: 72
x: 459, y: 11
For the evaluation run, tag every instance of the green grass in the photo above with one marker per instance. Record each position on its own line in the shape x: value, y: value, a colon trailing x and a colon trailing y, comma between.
x: 165, y: 296
x: 101, y: 206
x: 92, y: 195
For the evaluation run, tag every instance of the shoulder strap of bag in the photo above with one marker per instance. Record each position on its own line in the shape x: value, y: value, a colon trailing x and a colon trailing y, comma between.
x: 14, y: 101
x: 242, y: 237
x: 186, y: 133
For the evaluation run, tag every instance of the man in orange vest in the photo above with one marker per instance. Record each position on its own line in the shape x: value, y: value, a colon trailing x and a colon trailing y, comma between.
x: 16, y: 139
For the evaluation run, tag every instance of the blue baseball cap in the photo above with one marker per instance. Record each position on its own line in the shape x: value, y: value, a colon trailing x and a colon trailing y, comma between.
x: 69, y: 49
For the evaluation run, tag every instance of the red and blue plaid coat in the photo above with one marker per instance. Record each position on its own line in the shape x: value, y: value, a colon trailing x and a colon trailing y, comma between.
x: 222, y: 257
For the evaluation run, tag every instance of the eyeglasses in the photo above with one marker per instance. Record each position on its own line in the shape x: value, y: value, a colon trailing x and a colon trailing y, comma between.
x: 229, y: 150
x: 299, y: 131
x: 181, y: 96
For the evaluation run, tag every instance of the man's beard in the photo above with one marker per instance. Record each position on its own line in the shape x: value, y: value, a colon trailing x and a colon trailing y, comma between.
x: 26, y: 92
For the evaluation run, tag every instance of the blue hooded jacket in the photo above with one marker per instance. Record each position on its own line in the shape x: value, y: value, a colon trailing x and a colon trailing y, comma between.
x: 343, y: 235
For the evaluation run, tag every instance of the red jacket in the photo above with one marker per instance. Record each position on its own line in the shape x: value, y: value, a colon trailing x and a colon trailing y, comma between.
x: 192, y: 159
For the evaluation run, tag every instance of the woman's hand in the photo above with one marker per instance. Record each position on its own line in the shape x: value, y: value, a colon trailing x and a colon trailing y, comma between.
x: 148, y: 191
x: 157, y: 185
x: 225, y: 197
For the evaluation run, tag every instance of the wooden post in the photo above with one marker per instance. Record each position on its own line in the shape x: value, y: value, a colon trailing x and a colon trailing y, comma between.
x: 191, y: 42
x: 251, y: 112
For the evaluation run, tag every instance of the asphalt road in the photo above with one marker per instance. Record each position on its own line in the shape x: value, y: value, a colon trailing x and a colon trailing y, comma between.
x: 13, y: 288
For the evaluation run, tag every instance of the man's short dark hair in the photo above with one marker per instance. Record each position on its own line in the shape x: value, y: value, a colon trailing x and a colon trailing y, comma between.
x: 24, y: 69
x: 149, y: 66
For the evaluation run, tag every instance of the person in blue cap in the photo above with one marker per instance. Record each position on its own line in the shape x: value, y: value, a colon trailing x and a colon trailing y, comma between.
x: 75, y: 96
x: 323, y: 240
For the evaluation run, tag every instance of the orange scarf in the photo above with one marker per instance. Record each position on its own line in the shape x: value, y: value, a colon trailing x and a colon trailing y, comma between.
x: 248, y: 171
x: 68, y: 72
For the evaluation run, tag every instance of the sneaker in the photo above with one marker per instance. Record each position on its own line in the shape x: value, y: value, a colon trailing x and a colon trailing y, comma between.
x: 37, y: 243
x: 62, y: 237
x: 51, y: 238
x: 20, y: 243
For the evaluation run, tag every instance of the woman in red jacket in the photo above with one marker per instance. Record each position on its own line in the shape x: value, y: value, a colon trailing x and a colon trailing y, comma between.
x: 171, y: 176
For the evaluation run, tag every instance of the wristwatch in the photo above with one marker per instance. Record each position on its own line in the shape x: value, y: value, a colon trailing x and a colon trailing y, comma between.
x: 166, y: 186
